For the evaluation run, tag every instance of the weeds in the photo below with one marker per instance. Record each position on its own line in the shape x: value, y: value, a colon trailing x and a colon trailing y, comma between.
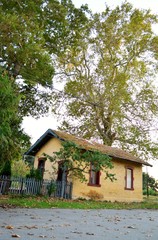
x: 46, y: 202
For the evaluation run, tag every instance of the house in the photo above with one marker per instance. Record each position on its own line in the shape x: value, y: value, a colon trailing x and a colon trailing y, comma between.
x: 127, y: 169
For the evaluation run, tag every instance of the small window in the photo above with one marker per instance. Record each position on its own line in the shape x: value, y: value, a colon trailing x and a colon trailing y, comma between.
x: 129, y: 179
x: 41, y: 166
x: 94, y: 176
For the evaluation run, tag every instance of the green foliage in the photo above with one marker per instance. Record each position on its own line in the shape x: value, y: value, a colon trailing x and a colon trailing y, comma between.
x: 150, y: 192
x: 76, y: 161
x: 150, y: 185
x: 29, y: 160
x: 51, y: 188
x: 20, y: 169
x: 35, y: 173
x: 44, y: 202
x: 13, y: 141
x: 6, y: 169
x: 33, y: 33
x: 109, y: 81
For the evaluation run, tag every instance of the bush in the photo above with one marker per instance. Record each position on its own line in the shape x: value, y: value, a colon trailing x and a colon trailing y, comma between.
x: 150, y: 192
x: 6, y: 170
x: 20, y: 169
x: 51, y: 188
x: 35, y: 173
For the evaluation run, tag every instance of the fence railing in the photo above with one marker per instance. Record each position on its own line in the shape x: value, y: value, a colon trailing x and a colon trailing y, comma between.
x: 30, y: 186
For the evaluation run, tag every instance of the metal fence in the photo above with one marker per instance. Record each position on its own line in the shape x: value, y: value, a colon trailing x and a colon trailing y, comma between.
x: 30, y: 186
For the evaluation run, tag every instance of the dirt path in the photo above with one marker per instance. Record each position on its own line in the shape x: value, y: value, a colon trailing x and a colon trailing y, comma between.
x: 60, y: 224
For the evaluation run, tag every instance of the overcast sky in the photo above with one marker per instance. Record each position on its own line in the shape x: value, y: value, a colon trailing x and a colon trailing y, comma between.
x: 36, y: 127
x: 99, y: 5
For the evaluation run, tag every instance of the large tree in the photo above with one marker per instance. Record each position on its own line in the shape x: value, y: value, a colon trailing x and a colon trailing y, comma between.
x: 109, y: 90
x: 32, y: 34
x: 13, y: 141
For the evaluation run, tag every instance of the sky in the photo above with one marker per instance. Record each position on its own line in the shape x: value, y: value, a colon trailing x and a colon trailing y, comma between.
x: 99, y: 5
x: 36, y: 127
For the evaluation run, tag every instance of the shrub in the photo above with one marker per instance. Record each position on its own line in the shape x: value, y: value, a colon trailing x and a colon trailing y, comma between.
x: 150, y: 192
x: 6, y: 170
x: 20, y: 169
x: 51, y: 188
x: 35, y: 173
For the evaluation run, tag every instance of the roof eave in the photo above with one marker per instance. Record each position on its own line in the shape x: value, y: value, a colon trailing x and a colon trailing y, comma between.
x: 131, y: 160
x: 40, y: 142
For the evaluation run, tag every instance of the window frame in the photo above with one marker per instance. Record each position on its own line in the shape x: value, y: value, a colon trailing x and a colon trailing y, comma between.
x: 127, y: 168
x: 98, y: 174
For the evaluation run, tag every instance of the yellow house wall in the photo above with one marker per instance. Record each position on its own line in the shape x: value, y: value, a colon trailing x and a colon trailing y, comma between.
x: 53, y: 145
x: 110, y: 191
x: 113, y: 191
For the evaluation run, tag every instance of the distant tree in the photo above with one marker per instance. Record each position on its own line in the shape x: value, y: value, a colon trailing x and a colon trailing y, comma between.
x: 109, y: 91
x: 76, y: 161
x: 19, y: 168
x: 150, y: 185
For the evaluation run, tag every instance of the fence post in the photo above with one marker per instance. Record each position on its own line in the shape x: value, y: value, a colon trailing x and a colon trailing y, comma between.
x: 21, y: 189
x: 7, y: 180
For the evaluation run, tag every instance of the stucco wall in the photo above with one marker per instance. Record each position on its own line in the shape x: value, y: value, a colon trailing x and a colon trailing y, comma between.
x: 51, y: 146
x: 111, y: 191
x: 114, y: 191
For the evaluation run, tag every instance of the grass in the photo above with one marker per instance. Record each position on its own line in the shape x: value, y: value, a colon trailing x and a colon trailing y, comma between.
x: 45, y: 202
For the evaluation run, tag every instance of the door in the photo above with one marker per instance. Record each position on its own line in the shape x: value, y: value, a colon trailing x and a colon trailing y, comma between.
x: 61, y: 179
x: 62, y: 174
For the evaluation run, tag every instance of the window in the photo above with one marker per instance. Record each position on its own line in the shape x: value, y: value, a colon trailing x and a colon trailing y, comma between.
x: 94, y: 176
x: 129, y: 179
x: 41, y: 165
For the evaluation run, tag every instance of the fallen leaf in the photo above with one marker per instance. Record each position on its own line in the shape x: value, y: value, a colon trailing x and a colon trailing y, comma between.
x: 131, y: 227
x: 30, y: 227
x: 9, y: 227
x: 77, y: 232
x: 16, y: 235
x: 89, y: 233
x: 51, y: 228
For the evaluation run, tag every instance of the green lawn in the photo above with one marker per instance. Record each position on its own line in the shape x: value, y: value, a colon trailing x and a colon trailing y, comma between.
x: 45, y: 202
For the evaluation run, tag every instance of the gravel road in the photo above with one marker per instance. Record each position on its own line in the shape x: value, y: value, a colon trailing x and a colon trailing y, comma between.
x: 60, y: 224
